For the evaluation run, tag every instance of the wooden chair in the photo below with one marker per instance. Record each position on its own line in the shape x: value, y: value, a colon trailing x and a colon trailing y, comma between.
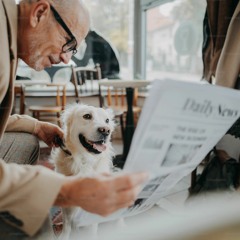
x: 51, y: 113
x: 19, y: 91
x: 84, y: 80
x: 128, y: 90
x: 116, y: 100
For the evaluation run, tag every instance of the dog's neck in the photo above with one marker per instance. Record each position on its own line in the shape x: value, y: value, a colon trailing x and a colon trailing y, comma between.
x: 81, y: 162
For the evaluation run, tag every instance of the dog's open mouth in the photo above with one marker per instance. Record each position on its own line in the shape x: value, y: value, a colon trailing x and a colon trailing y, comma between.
x: 94, y: 147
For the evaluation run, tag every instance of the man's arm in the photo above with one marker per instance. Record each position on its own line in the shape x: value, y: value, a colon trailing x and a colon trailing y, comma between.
x: 21, y: 123
x: 102, y: 194
x: 42, y: 130
x: 28, y: 192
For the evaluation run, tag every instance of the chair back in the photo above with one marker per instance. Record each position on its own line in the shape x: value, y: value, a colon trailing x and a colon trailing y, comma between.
x: 19, y: 91
x: 114, y: 96
x: 60, y: 94
x: 117, y: 97
x: 84, y: 79
x: 51, y: 113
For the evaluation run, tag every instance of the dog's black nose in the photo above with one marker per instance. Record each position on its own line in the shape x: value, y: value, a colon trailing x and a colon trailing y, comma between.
x: 104, y: 130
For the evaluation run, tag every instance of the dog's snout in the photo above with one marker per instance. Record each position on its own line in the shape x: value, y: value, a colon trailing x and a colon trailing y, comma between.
x: 104, y: 130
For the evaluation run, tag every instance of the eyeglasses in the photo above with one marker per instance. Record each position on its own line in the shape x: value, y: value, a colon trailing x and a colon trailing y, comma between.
x: 72, y: 43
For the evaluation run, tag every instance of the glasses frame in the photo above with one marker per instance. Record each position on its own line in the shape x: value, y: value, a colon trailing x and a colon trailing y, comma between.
x: 72, y: 42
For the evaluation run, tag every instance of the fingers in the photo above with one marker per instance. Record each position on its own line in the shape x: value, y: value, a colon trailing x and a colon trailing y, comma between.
x: 57, y: 141
x: 128, y: 181
x: 122, y: 192
x: 124, y: 199
x: 59, y: 132
x: 103, y: 194
x: 47, y: 132
x: 55, y: 130
x: 128, y: 197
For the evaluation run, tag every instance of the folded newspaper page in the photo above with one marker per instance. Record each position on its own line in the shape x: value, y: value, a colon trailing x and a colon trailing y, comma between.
x: 179, y: 124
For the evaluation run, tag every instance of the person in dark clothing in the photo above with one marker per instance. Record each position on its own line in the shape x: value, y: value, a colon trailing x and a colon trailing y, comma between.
x: 100, y: 51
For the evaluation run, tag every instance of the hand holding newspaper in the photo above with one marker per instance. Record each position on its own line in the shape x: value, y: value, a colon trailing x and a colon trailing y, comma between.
x: 179, y: 124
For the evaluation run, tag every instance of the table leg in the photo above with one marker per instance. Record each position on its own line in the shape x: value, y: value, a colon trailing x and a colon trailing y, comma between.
x: 129, y: 128
x: 119, y: 160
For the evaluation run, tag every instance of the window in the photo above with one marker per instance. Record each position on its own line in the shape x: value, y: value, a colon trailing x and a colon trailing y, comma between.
x: 173, y: 44
x: 113, y: 20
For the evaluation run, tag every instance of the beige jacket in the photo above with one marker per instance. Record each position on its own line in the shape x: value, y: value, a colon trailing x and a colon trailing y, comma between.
x: 229, y: 61
x: 216, y: 23
x: 26, y: 192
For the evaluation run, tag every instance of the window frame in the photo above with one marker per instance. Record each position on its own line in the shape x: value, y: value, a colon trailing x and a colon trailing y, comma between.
x: 140, y: 34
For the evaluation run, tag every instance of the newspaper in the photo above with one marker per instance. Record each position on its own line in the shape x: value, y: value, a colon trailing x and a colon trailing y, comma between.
x: 179, y: 124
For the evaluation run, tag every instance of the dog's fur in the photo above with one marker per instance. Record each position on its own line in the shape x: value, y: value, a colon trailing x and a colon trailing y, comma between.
x: 94, y: 125
x: 87, y: 134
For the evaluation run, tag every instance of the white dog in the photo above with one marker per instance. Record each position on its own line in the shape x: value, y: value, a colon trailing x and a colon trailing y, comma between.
x: 86, y: 149
x: 87, y: 134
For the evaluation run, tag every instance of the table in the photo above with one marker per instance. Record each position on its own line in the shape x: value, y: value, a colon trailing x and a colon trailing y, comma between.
x: 130, y: 85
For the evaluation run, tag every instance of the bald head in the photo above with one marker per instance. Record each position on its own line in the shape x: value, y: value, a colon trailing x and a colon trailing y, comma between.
x: 75, y: 14
x: 50, y: 31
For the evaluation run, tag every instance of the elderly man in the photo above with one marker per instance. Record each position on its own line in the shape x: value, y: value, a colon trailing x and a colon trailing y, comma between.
x: 42, y: 33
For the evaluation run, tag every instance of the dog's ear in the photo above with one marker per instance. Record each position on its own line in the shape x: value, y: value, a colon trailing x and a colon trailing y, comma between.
x: 66, y: 117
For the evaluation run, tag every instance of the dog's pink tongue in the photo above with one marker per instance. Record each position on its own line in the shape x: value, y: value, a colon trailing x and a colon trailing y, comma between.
x: 99, y: 147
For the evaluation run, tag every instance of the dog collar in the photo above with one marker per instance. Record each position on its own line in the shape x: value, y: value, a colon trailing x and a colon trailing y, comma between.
x: 64, y: 149
x: 60, y: 143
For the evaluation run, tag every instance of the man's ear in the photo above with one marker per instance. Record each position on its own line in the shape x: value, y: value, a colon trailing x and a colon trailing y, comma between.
x: 39, y: 12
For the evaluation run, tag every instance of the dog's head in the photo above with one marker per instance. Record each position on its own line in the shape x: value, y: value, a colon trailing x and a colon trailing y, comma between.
x: 87, y: 127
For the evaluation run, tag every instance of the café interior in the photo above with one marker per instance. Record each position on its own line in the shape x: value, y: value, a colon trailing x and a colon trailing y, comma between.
x: 131, y: 45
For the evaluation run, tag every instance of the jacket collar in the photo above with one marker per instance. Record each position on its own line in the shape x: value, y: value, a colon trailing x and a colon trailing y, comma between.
x: 11, y: 9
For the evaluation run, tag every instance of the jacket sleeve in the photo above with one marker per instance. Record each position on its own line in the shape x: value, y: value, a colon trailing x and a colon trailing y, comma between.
x: 21, y: 123
x: 27, y: 193
x: 229, y: 61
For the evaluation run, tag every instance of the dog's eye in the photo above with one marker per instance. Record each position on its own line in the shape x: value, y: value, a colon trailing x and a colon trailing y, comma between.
x: 107, y: 120
x: 87, y: 116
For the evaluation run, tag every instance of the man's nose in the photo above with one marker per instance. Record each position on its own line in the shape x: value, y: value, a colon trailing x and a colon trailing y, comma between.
x: 65, y: 57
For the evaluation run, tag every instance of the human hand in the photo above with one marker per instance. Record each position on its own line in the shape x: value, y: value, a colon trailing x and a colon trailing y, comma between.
x: 103, y: 194
x: 46, y: 132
